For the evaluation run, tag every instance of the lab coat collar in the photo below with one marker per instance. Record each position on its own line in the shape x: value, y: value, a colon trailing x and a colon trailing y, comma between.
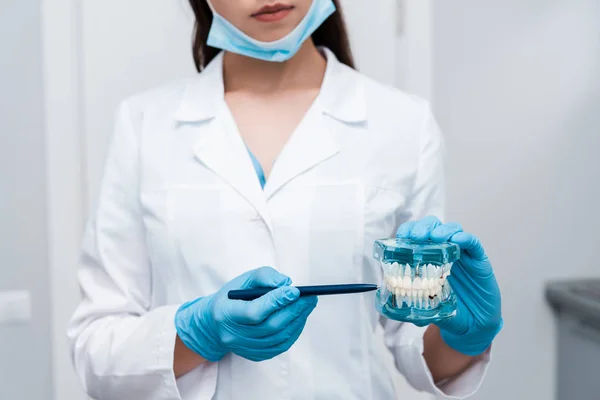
x: 341, y: 97
x: 342, y: 94
x: 203, y: 94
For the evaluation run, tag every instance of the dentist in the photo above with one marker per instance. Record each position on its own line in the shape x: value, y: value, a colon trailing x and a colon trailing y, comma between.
x: 277, y: 163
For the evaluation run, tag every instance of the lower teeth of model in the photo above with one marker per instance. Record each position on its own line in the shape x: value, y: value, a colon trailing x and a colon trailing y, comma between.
x: 423, y: 286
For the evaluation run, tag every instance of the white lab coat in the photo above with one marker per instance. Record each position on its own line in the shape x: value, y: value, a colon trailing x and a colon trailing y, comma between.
x: 181, y: 212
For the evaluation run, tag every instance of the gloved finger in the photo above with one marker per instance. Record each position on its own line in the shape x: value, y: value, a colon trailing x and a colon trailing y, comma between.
x: 265, y: 277
x: 279, y: 320
x: 422, y: 229
x: 475, y: 269
x: 256, y: 311
x: 459, y: 323
x: 258, y: 355
x: 285, y: 346
x: 481, y: 297
x: 295, y: 326
x: 403, y: 231
x: 269, y: 347
x: 444, y: 232
x: 478, y: 302
x: 470, y: 244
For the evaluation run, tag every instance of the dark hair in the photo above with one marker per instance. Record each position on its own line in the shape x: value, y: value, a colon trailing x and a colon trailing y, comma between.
x: 331, y: 34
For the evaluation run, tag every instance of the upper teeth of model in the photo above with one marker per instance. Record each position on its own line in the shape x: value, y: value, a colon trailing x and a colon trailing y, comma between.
x: 416, y: 283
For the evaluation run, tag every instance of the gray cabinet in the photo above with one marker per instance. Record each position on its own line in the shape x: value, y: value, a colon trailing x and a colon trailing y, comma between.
x: 577, y: 308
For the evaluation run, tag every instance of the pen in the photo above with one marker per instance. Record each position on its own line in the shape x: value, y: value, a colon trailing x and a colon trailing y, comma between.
x: 319, y: 290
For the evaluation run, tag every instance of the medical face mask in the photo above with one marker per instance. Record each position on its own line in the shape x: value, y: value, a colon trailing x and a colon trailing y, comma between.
x: 225, y: 36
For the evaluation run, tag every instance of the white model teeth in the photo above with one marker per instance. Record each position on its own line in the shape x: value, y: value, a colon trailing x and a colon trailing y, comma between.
x: 417, y: 283
x: 393, y: 282
x: 423, y: 290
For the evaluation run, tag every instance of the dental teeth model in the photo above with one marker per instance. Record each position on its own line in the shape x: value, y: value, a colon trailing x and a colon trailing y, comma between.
x: 421, y: 286
x: 415, y: 283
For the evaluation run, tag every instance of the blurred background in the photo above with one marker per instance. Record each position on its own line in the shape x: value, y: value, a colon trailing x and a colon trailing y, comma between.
x: 515, y: 86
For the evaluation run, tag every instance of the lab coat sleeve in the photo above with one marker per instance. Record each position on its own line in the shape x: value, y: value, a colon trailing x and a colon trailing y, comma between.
x: 120, y: 347
x: 405, y: 340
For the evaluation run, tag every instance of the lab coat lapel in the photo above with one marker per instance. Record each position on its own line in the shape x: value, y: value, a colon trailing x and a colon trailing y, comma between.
x: 340, y: 101
x: 310, y: 145
x: 221, y: 149
x: 218, y: 146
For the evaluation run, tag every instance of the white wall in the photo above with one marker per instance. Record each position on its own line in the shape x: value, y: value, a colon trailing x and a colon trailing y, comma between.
x: 517, y: 92
x: 413, y: 68
x: 372, y: 35
x: 25, y: 349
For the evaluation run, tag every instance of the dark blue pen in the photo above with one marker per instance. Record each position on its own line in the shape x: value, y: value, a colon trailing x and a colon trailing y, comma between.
x: 320, y: 290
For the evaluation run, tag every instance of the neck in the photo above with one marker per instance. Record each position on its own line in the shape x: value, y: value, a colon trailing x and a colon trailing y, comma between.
x: 303, y: 71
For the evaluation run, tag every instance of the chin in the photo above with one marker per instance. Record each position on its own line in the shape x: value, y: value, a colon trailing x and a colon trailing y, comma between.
x: 272, y: 34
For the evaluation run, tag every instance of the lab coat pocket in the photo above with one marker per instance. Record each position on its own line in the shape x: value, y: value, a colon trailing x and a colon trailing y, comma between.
x: 383, y: 213
x: 384, y: 208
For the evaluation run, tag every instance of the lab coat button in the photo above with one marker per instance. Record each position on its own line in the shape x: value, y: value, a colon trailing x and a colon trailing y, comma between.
x: 256, y: 217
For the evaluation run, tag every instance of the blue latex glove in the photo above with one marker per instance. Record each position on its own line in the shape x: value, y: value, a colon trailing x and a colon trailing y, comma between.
x: 257, y: 330
x: 479, y: 316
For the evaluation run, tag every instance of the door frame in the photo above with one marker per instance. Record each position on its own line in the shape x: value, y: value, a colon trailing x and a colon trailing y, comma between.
x: 65, y: 166
x: 415, y: 47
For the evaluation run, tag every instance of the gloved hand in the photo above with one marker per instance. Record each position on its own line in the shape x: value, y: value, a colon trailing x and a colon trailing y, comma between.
x: 257, y: 330
x: 479, y: 316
